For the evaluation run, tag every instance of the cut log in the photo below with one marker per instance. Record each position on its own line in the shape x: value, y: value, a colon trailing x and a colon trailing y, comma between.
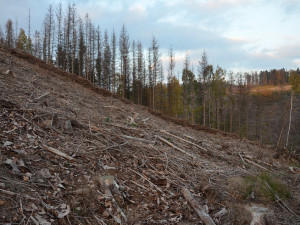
x: 57, y: 152
x: 205, y: 218
x: 175, y: 147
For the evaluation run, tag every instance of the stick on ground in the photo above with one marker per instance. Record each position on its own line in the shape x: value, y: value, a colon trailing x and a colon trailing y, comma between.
x: 205, y: 218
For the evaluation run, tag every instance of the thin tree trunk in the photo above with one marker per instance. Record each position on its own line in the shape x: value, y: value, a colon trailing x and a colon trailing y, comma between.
x: 231, y: 112
x: 291, y: 109
x: 204, y: 107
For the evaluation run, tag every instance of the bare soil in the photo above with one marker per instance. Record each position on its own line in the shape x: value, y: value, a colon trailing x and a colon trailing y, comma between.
x: 108, y: 139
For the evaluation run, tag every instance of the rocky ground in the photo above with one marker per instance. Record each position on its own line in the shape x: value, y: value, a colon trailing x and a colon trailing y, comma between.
x: 71, y: 153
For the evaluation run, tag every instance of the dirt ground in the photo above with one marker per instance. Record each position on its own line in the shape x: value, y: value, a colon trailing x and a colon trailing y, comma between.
x: 72, y: 153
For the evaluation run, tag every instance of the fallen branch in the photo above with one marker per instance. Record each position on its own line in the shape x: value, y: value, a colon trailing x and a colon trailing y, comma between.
x: 57, y: 152
x: 179, y: 138
x: 255, y: 164
x: 205, y: 218
x: 6, y: 192
x: 175, y: 147
x: 138, y: 139
x: 106, y: 183
x: 192, y: 138
x: 157, y: 188
x: 242, y: 158
x: 42, y: 96
x: 221, y: 213
x: 119, y: 126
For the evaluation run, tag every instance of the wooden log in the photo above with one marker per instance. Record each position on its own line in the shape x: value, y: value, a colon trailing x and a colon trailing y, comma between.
x: 205, y: 218
x: 189, y: 142
x: 59, y: 153
x: 175, y: 147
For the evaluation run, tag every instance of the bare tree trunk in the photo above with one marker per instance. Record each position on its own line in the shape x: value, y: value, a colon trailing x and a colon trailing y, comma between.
x: 231, y: 112
x: 209, y: 122
x: 204, y: 105
x: 291, y: 109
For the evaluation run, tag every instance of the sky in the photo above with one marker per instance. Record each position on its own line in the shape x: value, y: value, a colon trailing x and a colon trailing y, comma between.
x: 238, y: 35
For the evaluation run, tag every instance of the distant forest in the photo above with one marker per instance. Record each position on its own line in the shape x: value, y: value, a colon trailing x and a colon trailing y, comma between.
x: 208, y: 95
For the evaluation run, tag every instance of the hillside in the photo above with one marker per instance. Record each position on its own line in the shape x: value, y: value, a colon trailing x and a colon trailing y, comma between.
x: 71, y: 153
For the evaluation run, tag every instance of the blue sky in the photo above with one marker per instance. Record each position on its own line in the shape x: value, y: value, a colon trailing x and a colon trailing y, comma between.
x: 238, y: 35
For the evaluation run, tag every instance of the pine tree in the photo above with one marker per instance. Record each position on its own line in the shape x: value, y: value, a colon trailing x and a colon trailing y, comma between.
x: 169, y: 79
x: 140, y: 72
x: 106, y: 63
x: 113, y: 60
x: 9, y: 41
x: 124, y: 60
x: 99, y: 60
x: 203, y: 77
x: 134, y: 73
x: 81, y: 50
x: 21, y: 40
x: 155, y: 67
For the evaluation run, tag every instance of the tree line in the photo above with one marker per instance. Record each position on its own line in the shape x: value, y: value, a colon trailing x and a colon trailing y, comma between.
x: 203, y: 94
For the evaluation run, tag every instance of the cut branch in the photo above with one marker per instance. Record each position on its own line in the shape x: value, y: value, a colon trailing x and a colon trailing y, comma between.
x: 179, y: 138
x: 255, y: 164
x: 175, y: 147
x: 157, y: 188
x: 138, y: 139
x: 57, y: 152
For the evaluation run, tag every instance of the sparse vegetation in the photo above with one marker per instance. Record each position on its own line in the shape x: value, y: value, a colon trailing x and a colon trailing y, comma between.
x: 265, y: 186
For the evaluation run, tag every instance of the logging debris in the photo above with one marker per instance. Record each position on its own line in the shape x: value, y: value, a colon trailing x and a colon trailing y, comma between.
x: 71, y: 153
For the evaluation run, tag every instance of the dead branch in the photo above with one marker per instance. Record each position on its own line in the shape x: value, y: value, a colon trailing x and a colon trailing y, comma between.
x: 205, y: 218
x: 42, y: 96
x: 57, y: 152
x: 10, y: 193
x: 257, y: 165
x: 175, y: 147
x: 138, y: 139
x: 242, y: 158
x: 106, y: 183
x: 221, y: 213
x: 146, y: 179
x: 179, y: 138
x: 119, y: 126
x: 191, y: 138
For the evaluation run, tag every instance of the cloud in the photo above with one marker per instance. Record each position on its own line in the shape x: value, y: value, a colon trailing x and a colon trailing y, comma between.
x: 138, y: 9
x: 287, y: 52
x: 245, y: 34
x: 217, y: 5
